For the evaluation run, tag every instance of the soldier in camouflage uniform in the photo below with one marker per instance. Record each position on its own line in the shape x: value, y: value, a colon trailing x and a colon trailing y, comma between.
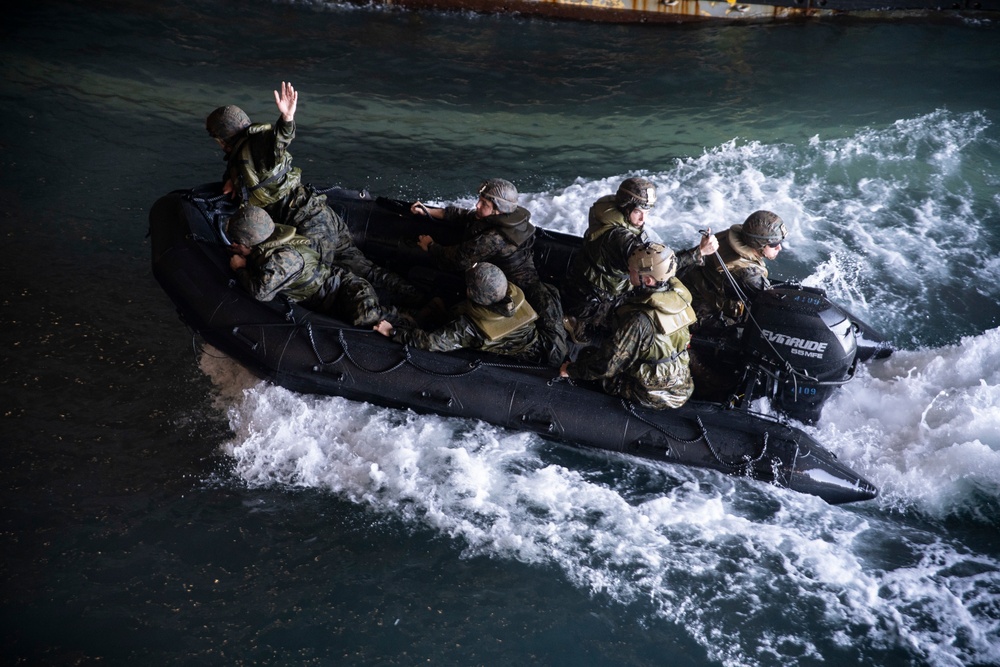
x: 495, y: 318
x: 272, y: 260
x: 645, y: 357
x: 598, y: 277
x: 259, y: 172
x: 500, y: 232
x: 743, y: 250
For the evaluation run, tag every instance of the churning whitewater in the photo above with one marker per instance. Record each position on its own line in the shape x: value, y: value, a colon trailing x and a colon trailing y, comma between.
x: 699, y: 548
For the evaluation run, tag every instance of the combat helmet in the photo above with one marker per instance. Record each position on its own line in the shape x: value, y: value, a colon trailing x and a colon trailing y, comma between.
x: 653, y: 259
x: 501, y: 193
x: 226, y: 122
x: 249, y: 226
x: 636, y: 192
x: 763, y: 228
x: 486, y: 284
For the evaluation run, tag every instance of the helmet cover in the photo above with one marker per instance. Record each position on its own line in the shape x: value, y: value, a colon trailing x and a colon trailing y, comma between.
x: 502, y: 194
x: 763, y: 228
x: 486, y: 283
x: 636, y: 192
x: 653, y: 259
x: 249, y: 226
x: 226, y: 122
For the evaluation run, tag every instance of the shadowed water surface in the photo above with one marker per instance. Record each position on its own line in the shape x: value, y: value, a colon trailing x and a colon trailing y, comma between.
x: 162, y: 507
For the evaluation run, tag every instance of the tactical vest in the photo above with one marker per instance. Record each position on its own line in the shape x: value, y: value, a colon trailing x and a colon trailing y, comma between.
x: 671, y: 313
x: 709, y: 284
x: 515, y: 228
x: 261, y: 188
x: 604, y: 216
x: 495, y: 326
x: 664, y: 363
x: 662, y: 378
x: 314, y: 273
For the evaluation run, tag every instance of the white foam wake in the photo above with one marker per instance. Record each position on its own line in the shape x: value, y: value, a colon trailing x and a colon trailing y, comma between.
x: 705, y: 550
x: 880, y: 221
x: 924, y: 425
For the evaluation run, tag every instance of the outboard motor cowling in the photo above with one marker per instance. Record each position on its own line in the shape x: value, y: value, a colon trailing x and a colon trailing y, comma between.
x: 804, y: 345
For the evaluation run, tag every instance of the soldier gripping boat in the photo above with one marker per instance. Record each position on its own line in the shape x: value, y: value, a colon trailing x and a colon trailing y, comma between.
x: 308, y: 351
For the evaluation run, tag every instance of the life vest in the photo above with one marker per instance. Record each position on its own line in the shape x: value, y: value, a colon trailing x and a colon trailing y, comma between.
x: 671, y: 313
x: 313, y: 274
x: 256, y: 187
x: 604, y: 216
x: 662, y: 377
x: 515, y: 227
x: 494, y: 326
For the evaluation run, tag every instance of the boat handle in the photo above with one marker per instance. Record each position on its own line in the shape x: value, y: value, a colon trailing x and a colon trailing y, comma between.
x: 449, y: 401
x: 252, y: 344
x: 547, y: 426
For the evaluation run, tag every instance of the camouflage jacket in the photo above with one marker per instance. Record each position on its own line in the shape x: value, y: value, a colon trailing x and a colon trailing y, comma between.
x: 260, y: 166
x: 645, y: 359
x: 715, y: 299
x: 283, y: 264
x: 600, y: 267
x: 475, y: 329
x: 505, y: 240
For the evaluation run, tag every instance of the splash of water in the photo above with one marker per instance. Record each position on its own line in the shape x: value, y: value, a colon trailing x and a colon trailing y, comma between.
x: 925, y: 426
x: 701, y: 548
x: 757, y: 575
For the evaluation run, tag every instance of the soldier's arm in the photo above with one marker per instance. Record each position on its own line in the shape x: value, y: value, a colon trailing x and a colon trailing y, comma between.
x: 456, y: 335
x: 619, y: 351
x: 688, y: 258
x: 281, y: 136
x: 695, y: 256
x: 465, y: 254
x: 266, y: 282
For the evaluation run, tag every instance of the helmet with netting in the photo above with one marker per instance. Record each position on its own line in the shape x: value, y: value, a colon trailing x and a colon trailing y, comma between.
x: 249, y: 226
x: 636, y: 192
x: 653, y: 259
x: 486, y: 283
x: 763, y: 228
x: 226, y: 122
x: 501, y: 193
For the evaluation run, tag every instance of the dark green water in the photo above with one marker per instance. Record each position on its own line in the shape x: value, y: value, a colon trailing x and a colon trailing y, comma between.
x: 161, y: 508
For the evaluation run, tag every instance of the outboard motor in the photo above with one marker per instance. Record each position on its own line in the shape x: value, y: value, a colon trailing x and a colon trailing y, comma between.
x: 802, y: 347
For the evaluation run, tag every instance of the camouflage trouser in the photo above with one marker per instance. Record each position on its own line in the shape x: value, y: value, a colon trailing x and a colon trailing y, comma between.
x: 545, y: 300
x: 671, y: 387
x: 313, y: 218
x: 350, y: 298
x: 393, y: 288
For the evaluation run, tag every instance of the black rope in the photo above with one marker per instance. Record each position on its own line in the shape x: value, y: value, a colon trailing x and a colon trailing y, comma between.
x: 209, y: 200
x: 347, y: 352
x: 746, y: 460
x: 319, y: 357
x: 519, y: 367
x: 630, y: 408
x: 473, y: 366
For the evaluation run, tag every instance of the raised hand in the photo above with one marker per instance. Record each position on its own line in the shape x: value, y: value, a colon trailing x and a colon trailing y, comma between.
x: 287, y: 100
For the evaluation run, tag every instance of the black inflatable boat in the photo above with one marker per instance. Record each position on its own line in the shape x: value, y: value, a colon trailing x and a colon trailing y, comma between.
x: 308, y: 352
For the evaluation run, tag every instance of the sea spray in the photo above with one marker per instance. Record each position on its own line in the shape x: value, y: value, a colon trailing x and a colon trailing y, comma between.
x: 804, y: 581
